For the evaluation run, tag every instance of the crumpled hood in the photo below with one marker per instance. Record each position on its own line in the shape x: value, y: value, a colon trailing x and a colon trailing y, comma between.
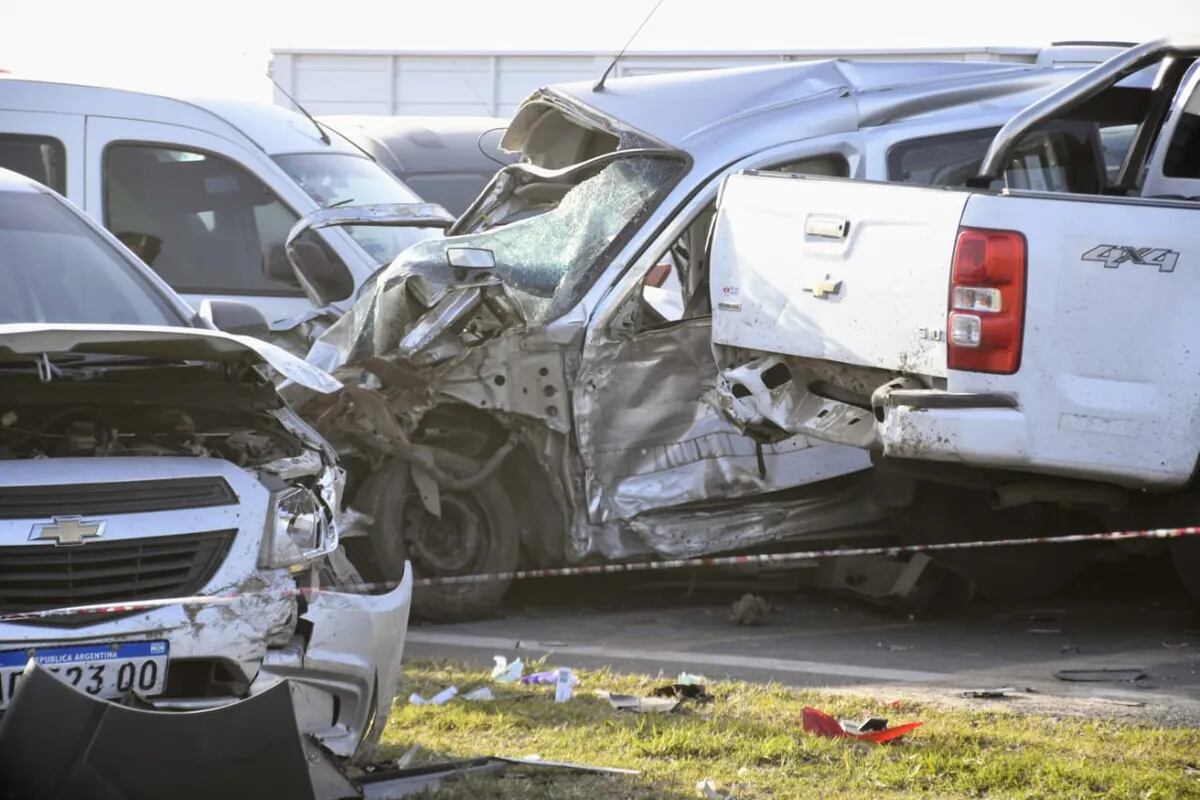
x: 160, y: 342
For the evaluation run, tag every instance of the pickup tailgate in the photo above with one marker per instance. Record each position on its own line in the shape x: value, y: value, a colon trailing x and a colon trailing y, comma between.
x: 841, y: 270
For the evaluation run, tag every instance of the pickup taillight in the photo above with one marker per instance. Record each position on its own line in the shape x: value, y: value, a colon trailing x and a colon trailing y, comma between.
x: 987, y: 301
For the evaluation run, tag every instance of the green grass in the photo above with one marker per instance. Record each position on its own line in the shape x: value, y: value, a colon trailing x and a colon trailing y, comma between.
x: 750, y: 743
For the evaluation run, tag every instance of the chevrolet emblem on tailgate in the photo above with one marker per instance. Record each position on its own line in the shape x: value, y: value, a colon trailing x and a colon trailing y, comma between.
x: 67, y: 531
x: 825, y: 288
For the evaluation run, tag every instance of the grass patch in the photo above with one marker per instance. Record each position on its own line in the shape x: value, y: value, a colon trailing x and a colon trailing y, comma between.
x: 750, y: 743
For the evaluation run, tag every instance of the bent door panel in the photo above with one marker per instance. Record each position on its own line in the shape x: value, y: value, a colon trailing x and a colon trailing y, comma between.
x: 650, y: 439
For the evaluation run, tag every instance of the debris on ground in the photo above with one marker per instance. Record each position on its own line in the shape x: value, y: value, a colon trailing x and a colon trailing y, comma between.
x: 444, y: 696
x: 873, y: 729
x: 1050, y: 631
x: 684, y: 691
x: 895, y: 648
x: 483, y: 693
x: 562, y: 687
x: 507, y: 671
x: 750, y: 609
x: 1175, y: 645
x: 989, y: 694
x: 1116, y: 701
x: 1070, y: 649
x: 1105, y: 674
x: 534, y: 760
x: 396, y: 783
x: 547, y: 678
x: 686, y: 678
x: 708, y: 789
x: 641, y: 705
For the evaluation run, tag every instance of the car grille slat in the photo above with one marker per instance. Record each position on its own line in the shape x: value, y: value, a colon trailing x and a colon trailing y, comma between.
x: 38, y: 577
x: 133, y: 497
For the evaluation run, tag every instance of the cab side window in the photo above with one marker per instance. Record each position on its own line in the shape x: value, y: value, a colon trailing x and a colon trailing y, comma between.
x: 202, y: 222
x: 676, y: 288
x: 41, y: 158
x: 1183, y: 154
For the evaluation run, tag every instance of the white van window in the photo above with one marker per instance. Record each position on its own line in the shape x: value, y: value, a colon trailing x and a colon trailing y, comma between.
x: 41, y: 158
x: 205, y: 224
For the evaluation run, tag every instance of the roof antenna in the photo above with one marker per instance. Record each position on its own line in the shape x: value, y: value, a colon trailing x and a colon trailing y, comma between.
x: 599, y: 87
x: 320, y: 131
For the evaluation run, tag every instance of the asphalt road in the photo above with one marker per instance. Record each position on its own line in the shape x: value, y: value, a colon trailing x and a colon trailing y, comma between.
x: 1116, y: 616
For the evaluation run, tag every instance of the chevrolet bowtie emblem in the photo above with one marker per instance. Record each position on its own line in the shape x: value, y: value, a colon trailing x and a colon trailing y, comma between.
x: 825, y: 288
x: 67, y: 531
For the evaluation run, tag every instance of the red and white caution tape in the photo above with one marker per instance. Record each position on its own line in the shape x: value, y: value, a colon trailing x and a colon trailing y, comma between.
x: 803, y: 555
x: 637, y: 566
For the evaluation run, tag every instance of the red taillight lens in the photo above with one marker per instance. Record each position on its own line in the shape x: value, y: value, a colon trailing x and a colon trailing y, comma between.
x: 987, y: 301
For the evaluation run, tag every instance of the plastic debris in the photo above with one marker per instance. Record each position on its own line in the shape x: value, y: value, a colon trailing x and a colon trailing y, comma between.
x: 874, y: 729
x: 1103, y: 675
x: 547, y: 678
x: 562, y: 687
x: 989, y: 694
x: 642, y: 705
x: 507, y: 671
x: 687, y: 679
x: 483, y: 693
x: 444, y: 696
x: 750, y: 609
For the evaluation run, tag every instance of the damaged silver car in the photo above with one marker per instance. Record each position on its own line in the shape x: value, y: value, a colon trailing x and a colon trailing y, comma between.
x: 168, y: 538
x: 539, y: 387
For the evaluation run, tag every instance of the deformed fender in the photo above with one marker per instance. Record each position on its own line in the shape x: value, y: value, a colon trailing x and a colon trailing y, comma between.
x: 353, y: 653
x: 56, y: 741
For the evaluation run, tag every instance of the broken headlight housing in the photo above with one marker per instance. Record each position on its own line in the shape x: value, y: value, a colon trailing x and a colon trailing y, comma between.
x: 299, y: 528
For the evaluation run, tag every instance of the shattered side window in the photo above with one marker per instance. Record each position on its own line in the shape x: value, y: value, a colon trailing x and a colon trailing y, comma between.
x: 556, y: 255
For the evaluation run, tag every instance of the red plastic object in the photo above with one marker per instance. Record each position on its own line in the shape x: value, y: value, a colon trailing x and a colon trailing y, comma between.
x: 819, y: 723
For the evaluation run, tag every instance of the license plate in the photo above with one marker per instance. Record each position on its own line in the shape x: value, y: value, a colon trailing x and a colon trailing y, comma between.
x: 101, y: 670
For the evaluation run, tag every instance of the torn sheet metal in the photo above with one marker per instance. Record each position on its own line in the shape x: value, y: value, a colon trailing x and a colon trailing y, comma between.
x: 677, y: 448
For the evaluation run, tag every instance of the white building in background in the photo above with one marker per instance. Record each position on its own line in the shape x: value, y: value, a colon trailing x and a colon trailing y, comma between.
x: 493, y: 83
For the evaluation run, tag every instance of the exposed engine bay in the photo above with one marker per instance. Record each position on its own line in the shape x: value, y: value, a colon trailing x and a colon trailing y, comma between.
x: 167, y: 410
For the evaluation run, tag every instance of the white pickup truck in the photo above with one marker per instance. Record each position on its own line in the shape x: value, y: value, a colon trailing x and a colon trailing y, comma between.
x: 1027, y: 344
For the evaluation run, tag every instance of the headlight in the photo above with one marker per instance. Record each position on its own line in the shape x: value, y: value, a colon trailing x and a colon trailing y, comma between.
x: 299, y: 529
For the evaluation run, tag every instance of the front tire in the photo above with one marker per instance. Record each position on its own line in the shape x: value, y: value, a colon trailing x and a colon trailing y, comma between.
x: 477, y: 533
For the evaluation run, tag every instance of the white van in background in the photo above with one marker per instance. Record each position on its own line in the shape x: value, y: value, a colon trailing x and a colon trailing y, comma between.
x: 205, y: 191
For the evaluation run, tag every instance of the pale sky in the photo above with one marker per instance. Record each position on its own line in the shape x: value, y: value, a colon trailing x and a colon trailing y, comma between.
x: 222, y: 47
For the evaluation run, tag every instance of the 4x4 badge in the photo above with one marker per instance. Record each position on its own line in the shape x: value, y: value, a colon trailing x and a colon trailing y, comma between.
x: 1114, y: 255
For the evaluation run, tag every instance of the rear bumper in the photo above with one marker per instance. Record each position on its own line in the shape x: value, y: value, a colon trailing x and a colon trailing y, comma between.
x: 983, y: 430
x: 992, y: 431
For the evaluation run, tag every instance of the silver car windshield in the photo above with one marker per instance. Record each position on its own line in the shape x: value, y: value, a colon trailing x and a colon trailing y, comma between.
x: 55, y: 268
x: 345, y: 179
x: 556, y: 256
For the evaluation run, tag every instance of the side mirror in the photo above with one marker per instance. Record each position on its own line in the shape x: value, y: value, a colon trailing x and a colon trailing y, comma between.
x: 470, y: 258
x: 320, y: 274
x: 232, y: 316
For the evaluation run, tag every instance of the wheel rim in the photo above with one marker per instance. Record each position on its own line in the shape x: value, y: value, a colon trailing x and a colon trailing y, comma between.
x: 456, y: 543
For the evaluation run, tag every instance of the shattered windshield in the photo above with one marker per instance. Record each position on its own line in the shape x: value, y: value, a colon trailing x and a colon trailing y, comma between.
x: 334, y: 179
x: 556, y: 256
